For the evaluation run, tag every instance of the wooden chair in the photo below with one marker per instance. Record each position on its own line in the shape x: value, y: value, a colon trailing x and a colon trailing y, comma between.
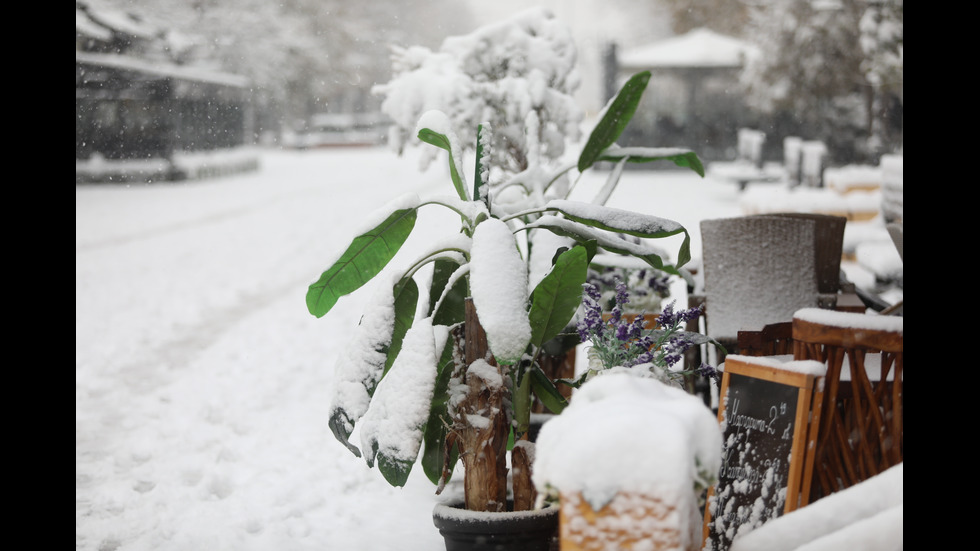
x: 775, y: 339
x: 861, y: 431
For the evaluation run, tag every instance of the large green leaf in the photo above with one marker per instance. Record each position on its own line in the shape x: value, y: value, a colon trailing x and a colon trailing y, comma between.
x: 406, y: 302
x: 451, y: 310
x: 612, y: 242
x: 616, y: 220
x: 684, y: 158
x: 614, y: 120
x: 627, y: 222
x: 366, y: 256
x: 404, y: 298
x: 441, y: 141
x: 546, y: 391
x: 393, y: 427
x: 394, y: 470
x: 558, y: 296
x: 437, y: 426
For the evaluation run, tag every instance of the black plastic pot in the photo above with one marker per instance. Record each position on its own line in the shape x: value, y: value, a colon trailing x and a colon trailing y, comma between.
x: 466, y: 530
x: 537, y: 421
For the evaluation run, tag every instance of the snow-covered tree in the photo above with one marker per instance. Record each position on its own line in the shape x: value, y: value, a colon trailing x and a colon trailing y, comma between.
x: 728, y: 17
x: 814, y: 70
x: 518, y: 75
x: 882, y: 41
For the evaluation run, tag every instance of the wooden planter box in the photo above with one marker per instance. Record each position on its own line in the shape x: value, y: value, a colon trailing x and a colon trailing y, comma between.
x: 630, y: 521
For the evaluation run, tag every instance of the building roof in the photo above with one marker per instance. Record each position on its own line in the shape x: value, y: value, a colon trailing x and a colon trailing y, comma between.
x: 160, y: 69
x: 88, y: 18
x: 698, y: 48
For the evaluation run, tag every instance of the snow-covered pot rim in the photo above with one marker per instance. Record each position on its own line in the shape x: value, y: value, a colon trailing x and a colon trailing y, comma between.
x: 454, y: 511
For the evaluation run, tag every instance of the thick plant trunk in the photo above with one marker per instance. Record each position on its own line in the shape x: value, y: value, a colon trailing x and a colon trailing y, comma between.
x: 524, y: 492
x: 481, y: 424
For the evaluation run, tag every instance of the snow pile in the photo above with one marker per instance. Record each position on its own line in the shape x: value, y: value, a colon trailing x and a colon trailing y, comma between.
x: 633, y: 435
x: 868, y: 516
x: 849, y: 178
x: 783, y: 361
x: 758, y: 200
x: 893, y: 186
x: 851, y: 320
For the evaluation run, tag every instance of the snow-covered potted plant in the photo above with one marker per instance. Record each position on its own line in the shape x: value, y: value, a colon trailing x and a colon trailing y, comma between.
x: 422, y: 373
x: 518, y: 75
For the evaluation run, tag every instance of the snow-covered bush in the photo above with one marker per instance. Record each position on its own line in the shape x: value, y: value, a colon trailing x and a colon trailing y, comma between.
x: 499, y: 74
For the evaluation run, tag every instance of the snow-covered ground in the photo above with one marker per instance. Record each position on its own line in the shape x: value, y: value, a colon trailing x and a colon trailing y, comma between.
x: 203, y: 383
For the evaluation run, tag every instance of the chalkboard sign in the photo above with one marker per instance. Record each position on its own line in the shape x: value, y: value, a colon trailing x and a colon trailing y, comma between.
x: 765, y: 415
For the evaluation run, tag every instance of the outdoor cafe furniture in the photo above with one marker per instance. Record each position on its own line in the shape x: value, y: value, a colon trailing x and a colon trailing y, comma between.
x: 861, y: 410
x: 760, y: 269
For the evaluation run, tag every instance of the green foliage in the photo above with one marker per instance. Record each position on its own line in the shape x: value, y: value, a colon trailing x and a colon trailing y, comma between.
x: 683, y: 159
x: 545, y: 390
x: 451, y: 308
x: 437, y: 428
x: 366, y: 256
x: 614, y: 121
x: 406, y: 301
x: 442, y: 141
x: 557, y: 297
x: 341, y: 425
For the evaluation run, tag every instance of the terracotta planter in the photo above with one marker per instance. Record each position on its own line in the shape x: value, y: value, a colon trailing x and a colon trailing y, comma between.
x: 631, y: 521
x: 466, y: 530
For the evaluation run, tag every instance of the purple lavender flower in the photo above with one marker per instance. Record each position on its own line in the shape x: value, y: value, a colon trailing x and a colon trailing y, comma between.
x: 622, y: 293
x: 591, y: 323
x: 707, y: 371
x: 636, y: 329
x: 668, y: 318
x: 623, y: 332
x: 617, y: 342
x: 660, y: 285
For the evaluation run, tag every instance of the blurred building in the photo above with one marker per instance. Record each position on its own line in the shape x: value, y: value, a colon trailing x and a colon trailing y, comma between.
x: 693, y: 99
x: 139, y: 111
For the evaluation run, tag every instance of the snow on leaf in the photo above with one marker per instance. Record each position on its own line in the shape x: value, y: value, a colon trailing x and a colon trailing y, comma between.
x: 361, y: 364
x: 391, y: 430
x: 498, y: 283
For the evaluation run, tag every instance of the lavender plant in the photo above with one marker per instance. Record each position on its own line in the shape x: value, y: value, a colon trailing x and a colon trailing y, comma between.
x: 623, y: 342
